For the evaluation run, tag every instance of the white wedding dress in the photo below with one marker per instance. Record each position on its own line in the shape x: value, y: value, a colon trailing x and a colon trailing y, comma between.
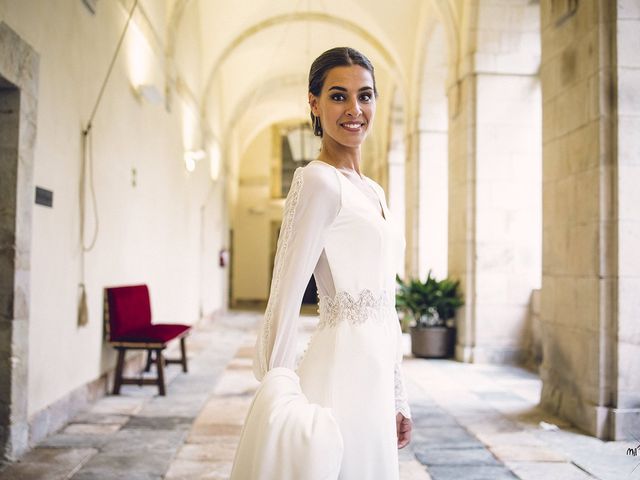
x: 333, y: 229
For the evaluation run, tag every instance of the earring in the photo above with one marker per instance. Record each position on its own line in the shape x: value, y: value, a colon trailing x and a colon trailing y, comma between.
x: 317, y: 128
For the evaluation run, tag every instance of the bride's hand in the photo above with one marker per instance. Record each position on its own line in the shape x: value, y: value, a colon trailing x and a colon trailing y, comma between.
x: 403, y: 428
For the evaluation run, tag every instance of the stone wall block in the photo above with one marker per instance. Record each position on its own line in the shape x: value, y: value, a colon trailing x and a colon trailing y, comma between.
x: 565, y: 195
x: 629, y: 310
x: 547, y: 299
x: 583, y: 251
x: 629, y: 33
x: 628, y: 375
x: 549, y: 203
x: 587, y: 202
x: 628, y: 140
x: 629, y: 238
x: 628, y: 91
x: 19, y: 360
x: 629, y: 193
x: 582, y: 148
x: 549, y: 121
x: 572, y: 110
x: 628, y: 9
x: 21, y: 295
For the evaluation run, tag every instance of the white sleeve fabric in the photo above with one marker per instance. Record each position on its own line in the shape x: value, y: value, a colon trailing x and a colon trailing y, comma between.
x: 402, y: 402
x: 312, y: 205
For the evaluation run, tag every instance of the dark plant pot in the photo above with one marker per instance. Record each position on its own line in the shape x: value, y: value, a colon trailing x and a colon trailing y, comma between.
x: 432, y: 342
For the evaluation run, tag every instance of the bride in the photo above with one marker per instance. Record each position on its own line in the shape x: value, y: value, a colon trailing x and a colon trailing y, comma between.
x: 342, y: 411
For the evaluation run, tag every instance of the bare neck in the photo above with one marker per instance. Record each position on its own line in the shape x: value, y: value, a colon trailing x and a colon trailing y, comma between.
x: 341, y: 157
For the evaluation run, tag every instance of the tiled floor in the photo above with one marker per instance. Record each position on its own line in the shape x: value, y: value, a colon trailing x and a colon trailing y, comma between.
x: 470, y: 422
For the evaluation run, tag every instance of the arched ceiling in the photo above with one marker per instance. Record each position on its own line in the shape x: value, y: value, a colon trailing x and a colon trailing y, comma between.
x: 255, y: 55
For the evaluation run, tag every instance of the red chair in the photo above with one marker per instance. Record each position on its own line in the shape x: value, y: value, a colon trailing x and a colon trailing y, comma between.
x: 128, y: 323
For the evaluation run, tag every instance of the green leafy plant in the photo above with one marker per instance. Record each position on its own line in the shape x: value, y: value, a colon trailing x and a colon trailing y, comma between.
x: 430, y: 303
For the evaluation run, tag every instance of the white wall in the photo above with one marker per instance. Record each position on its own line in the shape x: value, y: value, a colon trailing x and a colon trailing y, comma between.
x: 149, y: 233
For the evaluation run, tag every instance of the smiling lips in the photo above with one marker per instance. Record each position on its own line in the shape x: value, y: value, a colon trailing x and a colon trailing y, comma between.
x: 352, y: 127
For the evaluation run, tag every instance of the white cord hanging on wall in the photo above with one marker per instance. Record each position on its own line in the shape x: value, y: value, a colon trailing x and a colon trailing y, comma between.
x: 86, y: 172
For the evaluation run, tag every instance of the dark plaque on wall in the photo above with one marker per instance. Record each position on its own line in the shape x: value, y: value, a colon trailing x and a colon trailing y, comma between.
x: 44, y: 197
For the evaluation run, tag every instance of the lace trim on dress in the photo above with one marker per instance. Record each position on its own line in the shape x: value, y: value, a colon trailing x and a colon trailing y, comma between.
x: 402, y: 402
x: 353, y: 310
x: 286, y: 231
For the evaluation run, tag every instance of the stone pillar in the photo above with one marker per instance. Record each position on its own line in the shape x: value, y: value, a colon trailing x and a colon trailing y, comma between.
x: 18, y: 94
x: 591, y: 268
x: 412, y: 206
x: 494, y: 180
x: 626, y: 414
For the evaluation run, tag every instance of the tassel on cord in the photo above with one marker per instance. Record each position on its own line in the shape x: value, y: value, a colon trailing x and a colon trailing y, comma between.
x: 87, y: 164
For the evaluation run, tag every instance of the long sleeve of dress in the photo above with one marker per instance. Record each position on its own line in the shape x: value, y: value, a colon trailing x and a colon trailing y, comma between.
x: 311, y: 207
x: 402, y: 402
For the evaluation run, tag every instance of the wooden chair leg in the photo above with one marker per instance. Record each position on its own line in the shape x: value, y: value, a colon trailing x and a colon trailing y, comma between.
x: 183, y: 349
x: 119, y: 367
x: 160, y: 367
x: 147, y: 366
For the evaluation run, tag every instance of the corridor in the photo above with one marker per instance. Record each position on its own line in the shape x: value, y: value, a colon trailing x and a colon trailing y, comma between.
x: 471, y: 422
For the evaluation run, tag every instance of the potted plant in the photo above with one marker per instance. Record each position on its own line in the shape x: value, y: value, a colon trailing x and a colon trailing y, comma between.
x: 432, y: 305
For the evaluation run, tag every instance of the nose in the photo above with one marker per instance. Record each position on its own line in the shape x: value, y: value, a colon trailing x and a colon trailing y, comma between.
x: 353, y: 108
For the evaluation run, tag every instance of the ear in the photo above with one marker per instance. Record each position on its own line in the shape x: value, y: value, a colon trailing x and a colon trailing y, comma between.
x: 313, y: 103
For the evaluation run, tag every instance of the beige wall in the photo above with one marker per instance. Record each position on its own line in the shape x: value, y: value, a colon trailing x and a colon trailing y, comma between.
x: 252, y: 222
x: 151, y: 233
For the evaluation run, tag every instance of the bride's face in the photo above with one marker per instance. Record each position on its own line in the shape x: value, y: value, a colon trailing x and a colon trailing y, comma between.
x: 346, y: 105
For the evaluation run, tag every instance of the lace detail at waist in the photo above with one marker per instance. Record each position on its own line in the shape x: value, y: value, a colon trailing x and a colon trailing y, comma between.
x: 355, y: 310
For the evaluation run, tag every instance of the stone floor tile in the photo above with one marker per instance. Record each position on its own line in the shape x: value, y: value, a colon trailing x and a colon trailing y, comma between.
x: 217, y: 449
x: 519, y: 438
x: 237, y: 382
x: 101, y: 418
x: 133, y: 465
x: 92, y: 428
x: 456, y: 456
x: 471, y: 472
x: 548, y: 471
x: 159, y: 423
x: 526, y: 453
x: 442, y: 437
x: 142, y: 442
x: 118, y: 405
x: 75, y: 440
x: 48, y: 463
x: 197, y: 470
x: 413, y: 470
x: 226, y: 410
x: 204, y: 431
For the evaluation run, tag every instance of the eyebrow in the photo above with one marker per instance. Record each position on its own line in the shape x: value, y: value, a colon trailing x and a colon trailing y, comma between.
x: 342, y: 89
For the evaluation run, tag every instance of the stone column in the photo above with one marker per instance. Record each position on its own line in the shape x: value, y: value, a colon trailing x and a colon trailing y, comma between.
x: 626, y: 414
x: 18, y: 94
x: 591, y: 268
x: 494, y: 180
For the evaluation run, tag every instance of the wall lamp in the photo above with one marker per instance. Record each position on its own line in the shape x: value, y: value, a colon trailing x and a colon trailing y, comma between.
x: 191, y: 157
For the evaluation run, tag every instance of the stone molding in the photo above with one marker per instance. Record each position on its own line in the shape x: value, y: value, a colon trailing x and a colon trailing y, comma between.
x: 19, y: 67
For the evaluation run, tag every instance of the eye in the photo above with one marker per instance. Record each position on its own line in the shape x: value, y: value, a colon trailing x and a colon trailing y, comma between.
x: 338, y: 97
x: 365, y: 97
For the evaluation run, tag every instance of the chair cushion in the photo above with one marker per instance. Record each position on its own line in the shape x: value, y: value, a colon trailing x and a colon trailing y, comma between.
x: 129, y: 309
x: 159, y: 333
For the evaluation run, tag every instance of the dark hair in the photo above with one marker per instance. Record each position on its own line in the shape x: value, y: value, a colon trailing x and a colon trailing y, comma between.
x: 336, y: 57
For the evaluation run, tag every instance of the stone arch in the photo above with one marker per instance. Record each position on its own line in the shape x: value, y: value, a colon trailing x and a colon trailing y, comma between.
x: 388, y: 57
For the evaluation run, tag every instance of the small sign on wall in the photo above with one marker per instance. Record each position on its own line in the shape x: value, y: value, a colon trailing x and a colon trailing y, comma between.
x: 44, y: 197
